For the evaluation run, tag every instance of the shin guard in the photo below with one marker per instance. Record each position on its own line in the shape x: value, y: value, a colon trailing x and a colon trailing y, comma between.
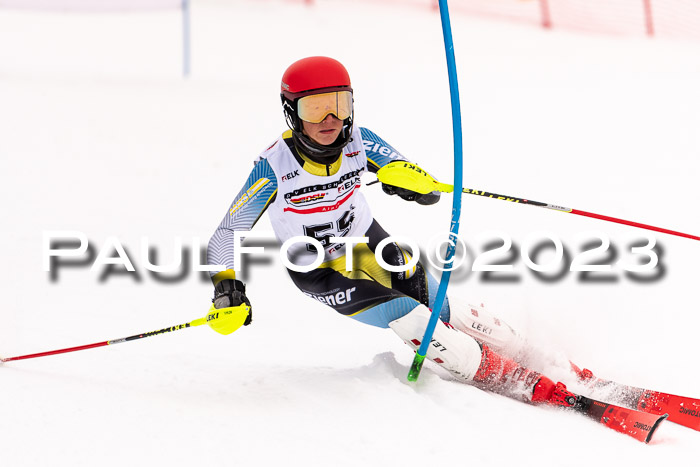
x: 453, y: 350
x: 475, y: 363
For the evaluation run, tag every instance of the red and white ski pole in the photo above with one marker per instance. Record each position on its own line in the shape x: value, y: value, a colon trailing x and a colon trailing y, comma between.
x: 515, y: 199
x: 408, y: 175
x: 223, y: 321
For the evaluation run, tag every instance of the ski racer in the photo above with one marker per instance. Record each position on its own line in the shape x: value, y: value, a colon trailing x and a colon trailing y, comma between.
x: 308, y: 181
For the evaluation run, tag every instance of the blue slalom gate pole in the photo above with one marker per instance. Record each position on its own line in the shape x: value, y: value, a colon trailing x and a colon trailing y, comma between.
x: 456, y: 195
x: 185, y: 38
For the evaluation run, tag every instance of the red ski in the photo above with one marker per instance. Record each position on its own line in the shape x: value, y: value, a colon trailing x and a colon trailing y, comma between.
x: 639, y: 425
x: 681, y: 410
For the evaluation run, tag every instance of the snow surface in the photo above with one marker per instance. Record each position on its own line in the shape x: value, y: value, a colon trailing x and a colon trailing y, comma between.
x: 100, y: 134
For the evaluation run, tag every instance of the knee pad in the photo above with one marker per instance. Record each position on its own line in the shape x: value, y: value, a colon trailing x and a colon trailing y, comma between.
x: 453, y: 350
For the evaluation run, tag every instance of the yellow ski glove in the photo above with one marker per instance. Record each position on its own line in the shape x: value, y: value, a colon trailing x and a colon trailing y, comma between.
x: 410, y: 182
x: 411, y: 177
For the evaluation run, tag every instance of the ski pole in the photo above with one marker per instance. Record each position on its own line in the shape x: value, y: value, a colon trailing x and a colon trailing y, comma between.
x: 408, y: 175
x: 515, y: 199
x: 223, y: 321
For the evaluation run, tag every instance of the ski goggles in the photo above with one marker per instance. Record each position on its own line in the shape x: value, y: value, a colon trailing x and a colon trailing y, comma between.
x: 316, y: 107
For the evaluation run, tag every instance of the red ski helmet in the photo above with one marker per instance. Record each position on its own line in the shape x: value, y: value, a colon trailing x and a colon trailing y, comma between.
x: 308, y: 75
x: 311, y: 76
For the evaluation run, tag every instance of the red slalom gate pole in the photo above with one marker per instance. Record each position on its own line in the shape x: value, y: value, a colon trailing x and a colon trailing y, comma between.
x: 649, y: 18
x: 544, y: 13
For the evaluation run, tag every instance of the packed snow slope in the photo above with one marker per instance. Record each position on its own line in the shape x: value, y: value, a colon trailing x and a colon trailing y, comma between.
x: 100, y: 134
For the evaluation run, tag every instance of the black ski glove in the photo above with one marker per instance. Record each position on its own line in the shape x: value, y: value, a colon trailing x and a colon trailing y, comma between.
x: 231, y: 292
x: 408, y: 195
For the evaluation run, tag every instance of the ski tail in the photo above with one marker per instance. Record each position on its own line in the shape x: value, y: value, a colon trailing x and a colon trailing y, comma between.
x: 635, y: 423
x: 682, y: 410
x: 639, y: 425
